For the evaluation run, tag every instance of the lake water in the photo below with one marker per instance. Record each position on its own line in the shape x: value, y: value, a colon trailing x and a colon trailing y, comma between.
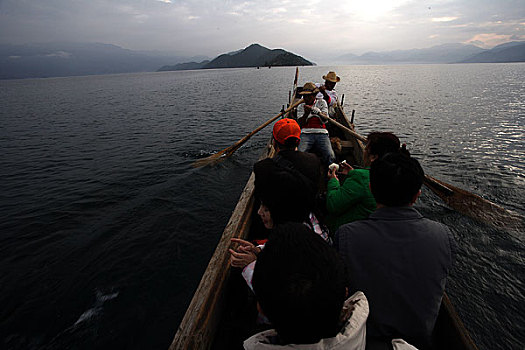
x: 105, y: 228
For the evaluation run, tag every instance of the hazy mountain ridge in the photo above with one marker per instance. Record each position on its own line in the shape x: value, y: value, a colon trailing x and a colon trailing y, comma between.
x: 446, y: 53
x: 254, y: 55
x: 68, y: 59
x: 505, y: 53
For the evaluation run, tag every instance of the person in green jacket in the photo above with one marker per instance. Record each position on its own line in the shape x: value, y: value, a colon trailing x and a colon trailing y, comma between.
x: 350, y: 199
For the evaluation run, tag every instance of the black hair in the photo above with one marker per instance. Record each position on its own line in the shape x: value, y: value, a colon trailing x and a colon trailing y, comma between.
x: 287, y: 196
x: 395, y: 179
x: 289, y: 144
x: 300, y: 283
x: 381, y: 143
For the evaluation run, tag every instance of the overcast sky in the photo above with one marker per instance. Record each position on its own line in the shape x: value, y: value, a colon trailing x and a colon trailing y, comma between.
x: 311, y: 28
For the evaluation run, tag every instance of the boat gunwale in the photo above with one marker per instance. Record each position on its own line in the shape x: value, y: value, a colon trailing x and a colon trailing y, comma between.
x: 204, y: 308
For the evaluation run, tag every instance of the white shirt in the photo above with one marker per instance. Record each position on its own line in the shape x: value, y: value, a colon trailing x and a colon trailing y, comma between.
x: 320, y: 106
x: 351, y: 337
x: 331, y: 93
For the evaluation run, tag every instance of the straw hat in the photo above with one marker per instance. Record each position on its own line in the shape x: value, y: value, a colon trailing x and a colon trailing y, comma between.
x: 331, y: 76
x: 309, y: 89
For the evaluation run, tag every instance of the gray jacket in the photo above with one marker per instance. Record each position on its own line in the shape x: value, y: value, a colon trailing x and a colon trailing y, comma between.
x: 400, y: 260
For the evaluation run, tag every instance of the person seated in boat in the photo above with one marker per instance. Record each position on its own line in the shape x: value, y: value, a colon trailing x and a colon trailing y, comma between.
x: 314, y: 135
x: 398, y: 258
x: 300, y: 284
x: 327, y: 91
x: 305, y: 170
x: 286, y: 135
x: 350, y: 199
x: 284, y: 197
x: 286, y: 187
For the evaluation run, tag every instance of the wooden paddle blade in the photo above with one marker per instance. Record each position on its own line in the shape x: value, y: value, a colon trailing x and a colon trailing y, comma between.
x: 474, y: 206
x: 221, y: 155
x: 210, y: 160
x: 462, y: 201
x: 217, y: 157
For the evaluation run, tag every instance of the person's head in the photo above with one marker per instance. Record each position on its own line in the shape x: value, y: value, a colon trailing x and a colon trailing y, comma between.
x: 300, y: 284
x: 378, y: 144
x: 395, y: 180
x: 266, y: 216
x: 286, y: 134
x: 309, y: 92
x: 330, y: 79
x: 287, y: 197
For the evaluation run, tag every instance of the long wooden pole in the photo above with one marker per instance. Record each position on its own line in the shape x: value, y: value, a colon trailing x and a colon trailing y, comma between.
x: 294, y: 94
x: 228, y: 151
x: 462, y: 201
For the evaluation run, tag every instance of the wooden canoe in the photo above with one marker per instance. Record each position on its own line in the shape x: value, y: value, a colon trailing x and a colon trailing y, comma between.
x: 214, y: 318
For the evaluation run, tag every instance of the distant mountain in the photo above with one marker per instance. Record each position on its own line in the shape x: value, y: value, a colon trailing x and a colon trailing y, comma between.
x: 235, y: 52
x: 507, y: 45
x: 183, y: 66
x: 67, y: 59
x: 254, y: 55
x: 509, y: 52
x: 446, y: 53
x: 349, y: 57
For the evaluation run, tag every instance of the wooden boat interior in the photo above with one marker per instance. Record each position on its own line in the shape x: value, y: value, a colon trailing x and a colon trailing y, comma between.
x: 223, y: 310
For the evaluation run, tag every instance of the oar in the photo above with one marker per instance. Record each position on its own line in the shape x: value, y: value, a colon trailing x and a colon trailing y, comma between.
x: 294, y: 88
x: 474, y: 206
x: 460, y: 200
x: 348, y: 130
x: 221, y: 155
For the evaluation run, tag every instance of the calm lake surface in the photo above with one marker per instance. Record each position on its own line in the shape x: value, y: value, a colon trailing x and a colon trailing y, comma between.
x: 106, y: 229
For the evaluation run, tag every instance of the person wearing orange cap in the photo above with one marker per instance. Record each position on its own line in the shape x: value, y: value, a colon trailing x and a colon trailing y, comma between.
x: 305, y: 166
x: 314, y: 135
x: 287, y: 184
x: 286, y: 188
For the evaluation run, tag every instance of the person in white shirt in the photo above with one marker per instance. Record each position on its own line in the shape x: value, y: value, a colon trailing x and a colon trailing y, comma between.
x: 314, y: 136
x: 327, y: 91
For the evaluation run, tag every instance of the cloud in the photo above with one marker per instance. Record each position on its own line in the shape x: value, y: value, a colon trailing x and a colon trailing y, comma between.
x: 211, y: 27
x: 444, y: 19
x: 488, y: 40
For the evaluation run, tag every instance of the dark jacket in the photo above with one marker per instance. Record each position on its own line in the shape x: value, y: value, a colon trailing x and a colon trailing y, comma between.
x: 400, y: 260
x: 307, y: 163
x: 288, y: 184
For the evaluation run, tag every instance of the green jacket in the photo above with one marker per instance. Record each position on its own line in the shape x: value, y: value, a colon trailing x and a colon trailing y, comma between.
x: 349, y: 201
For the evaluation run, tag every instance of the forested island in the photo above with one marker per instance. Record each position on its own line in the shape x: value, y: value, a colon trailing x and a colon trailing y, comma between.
x: 254, y: 55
